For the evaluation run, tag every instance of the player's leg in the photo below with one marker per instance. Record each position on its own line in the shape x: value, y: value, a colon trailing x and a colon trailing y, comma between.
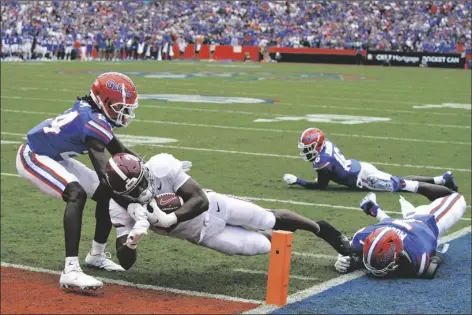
x: 373, y: 179
x: 447, y: 210
x: 235, y: 240
x: 244, y: 213
x: 54, y: 180
x: 88, y: 178
x: 446, y: 179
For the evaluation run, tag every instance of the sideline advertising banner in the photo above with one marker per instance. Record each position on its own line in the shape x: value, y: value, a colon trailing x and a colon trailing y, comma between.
x: 414, y: 59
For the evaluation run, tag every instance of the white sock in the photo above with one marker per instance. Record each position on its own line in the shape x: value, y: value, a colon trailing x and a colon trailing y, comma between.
x: 72, y: 261
x: 97, y: 248
x: 411, y: 185
x: 381, y: 215
x: 439, y: 180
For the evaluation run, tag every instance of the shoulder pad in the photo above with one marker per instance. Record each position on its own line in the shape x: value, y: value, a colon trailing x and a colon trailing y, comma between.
x: 163, y: 164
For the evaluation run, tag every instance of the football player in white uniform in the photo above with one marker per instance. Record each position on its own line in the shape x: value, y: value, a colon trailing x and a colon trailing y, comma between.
x: 330, y: 165
x: 206, y: 218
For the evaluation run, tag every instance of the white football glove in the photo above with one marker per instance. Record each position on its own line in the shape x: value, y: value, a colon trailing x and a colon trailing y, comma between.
x: 342, y: 264
x: 186, y: 165
x: 159, y: 218
x: 139, y: 230
x: 290, y: 179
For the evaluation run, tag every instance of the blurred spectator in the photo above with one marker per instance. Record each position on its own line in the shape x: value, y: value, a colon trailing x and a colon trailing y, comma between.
x: 433, y: 26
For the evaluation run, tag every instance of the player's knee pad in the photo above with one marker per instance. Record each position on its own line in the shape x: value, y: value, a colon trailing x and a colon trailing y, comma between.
x: 74, y: 192
x: 255, y: 245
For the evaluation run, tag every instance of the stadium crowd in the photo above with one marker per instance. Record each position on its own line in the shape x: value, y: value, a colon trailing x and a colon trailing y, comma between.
x: 145, y: 29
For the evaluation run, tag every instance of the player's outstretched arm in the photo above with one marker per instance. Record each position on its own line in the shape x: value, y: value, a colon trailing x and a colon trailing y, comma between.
x: 96, y: 151
x: 126, y: 255
x: 195, y: 201
x: 320, y: 183
x: 115, y: 146
x: 346, y: 264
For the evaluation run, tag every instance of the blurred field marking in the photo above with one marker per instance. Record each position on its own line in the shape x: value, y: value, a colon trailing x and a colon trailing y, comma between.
x: 310, y: 292
x: 141, y: 286
x: 274, y: 115
x: 279, y: 103
x: 277, y: 155
x: 260, y: 272
x: 405, y: 89
x: 9, y: 142
x: 299, y: 203
x: 321, y: 256
x: 176, y: 123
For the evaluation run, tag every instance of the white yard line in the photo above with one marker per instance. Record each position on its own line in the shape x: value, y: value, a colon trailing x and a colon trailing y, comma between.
x: 300, y: 203
x: 301, y: 295
x: 141, y: 286
x: 442, y: 168
x: 177, y: 123
x: 261, y: 272
x: 316, y: 256
x: 275, y: 114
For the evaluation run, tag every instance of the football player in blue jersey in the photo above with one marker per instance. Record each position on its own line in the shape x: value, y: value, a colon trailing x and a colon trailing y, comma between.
x: 406, y: 246
x: 47, y: 161
x: 331, y: 165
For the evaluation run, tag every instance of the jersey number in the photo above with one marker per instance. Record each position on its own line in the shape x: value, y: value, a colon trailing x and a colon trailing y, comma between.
x: 60, y: 121
x: 346, y: 165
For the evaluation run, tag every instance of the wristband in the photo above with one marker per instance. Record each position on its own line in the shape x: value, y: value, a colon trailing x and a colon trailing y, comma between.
x: 300, y: 182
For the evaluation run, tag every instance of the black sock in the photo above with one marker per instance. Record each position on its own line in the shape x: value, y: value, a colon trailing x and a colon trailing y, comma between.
x: 334, y: 238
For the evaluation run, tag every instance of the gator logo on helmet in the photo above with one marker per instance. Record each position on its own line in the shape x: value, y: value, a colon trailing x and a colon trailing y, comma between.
x: 387, y: 257
x: 117, y: 87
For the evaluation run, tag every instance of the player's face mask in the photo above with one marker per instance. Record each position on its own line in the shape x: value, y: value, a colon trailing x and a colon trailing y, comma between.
x: 142, y: 193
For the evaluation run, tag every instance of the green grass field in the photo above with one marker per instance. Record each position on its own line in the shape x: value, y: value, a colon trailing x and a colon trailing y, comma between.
x: 233, y: 154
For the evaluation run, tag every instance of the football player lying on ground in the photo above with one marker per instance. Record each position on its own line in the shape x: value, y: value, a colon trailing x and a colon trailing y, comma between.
x: 331, y: 165
x: 204, y: 217
x: 407, y: 246
x: 47, y: 161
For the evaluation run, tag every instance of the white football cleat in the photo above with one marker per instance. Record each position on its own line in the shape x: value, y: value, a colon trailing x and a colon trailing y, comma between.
x: 73, y: 277
x: 102, y: 261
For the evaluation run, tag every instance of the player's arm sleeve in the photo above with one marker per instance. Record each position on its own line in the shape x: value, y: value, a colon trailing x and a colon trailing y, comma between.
x: 98, y: 129
x: 120, y: 219
x: 357, y: 245
x: 357, y: 242
x: 422, y: 264
x: 123, y: 223
x: 319, y: 183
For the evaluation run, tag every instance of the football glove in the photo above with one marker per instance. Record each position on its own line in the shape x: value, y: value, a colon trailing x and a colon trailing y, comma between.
x: 139, y: 230
x: 369, y: 205
x: 159, y: 218
x: 342, y: 264
x: 186, y: 165
x: 290, y: 179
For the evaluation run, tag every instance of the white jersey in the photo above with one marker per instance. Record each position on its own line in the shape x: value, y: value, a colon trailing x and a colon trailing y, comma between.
x: 166, y: 176
x: 209, y: 228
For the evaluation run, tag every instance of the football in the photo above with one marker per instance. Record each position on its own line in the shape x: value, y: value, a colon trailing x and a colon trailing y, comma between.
x: 169, y: 202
